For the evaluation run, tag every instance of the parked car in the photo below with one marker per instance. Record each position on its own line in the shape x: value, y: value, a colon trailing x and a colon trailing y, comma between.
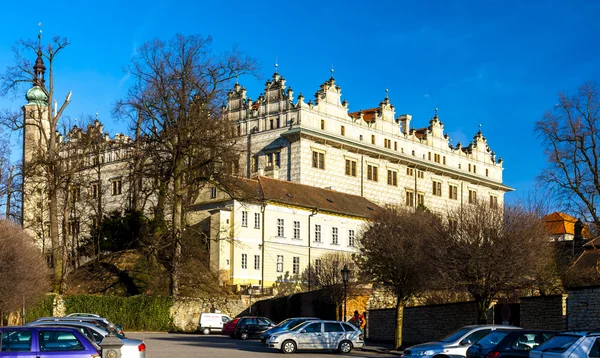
x: 569, y: 344
x: 94, y: 315
x: 229, y: 327
x: 132, y: 348
x: 455, y: 344
x: 284, y: 326
x: 100, y: 321
x: 38, y: 342
x: 252, y: 327
x: 210, y: 322
x: 504, y: 343
x: 319, y: 334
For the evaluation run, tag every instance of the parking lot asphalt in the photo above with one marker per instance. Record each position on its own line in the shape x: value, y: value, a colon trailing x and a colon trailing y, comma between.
x: 181, y: 345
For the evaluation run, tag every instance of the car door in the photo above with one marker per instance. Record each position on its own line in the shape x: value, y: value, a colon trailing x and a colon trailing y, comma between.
x: 311, y: 336
x: 334, y: 333
x: 17, y: 343
x: 52, y: 344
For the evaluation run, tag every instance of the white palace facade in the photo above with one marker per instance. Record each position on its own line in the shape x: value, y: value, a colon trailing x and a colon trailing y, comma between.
x: 370, y: 153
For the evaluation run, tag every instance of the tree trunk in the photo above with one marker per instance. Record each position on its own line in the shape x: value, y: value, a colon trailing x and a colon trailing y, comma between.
x: 399, y: 320
x: 177, y: 226
x: 482, y: 306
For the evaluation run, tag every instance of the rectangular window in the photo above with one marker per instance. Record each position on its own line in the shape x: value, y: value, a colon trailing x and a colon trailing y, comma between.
x: 429, y: 156
x: 372, y: 138
x: 351, y: 167
x: 116, y: 187
x: 437, y: 188
x: 297, y: 230
x: 392, y: 177
x: 318, y: 265
x: 420, y: 199
x: 420, y: 174
x: 244, y: 219
x: 213, y: 193
x: 257, y: 262
x: 296, y: 267
x: 317, y: 233
x: 410, y: 198
x: 244, y: 261
x: 444, y: 160
x: 269, y: 159
x: 343, y: 130
x: 472, y: 196
x: 280, y: 228
x: 322, y: 124
x: 257, y: 220
x: 474, y: 169
x: 94, y: 189
x: 277, y: 159
x: 487, y: 172
x: 387, y: 143
x: 318, y: 160
x: 279, y: 263
x: 255, y: 164
x: 409, y: 172
x: 271, y: 124
x: 436, y: 158
x: 372, y: 172
x: 469, y: 167
x: 74, y: 227
x: 75, y: 194
x: 395, y: 146
x: 452, y: 192
x: 494, y: 201
x: 334, y: 236
x: 351, y: 238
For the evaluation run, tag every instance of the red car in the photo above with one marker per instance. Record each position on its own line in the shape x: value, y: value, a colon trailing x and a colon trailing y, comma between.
x: 229, y: 327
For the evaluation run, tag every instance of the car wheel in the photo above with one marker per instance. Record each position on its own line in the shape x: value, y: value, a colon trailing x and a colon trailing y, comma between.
x: 244, y: 335
x: 206, y: 331
x: 288, y: 346
x: 345, y: 347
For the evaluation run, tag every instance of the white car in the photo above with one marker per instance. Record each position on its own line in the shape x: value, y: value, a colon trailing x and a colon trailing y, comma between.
x: 454, y: 345
x: 210, y: 322
x: 319, y: 334
x: 132, y: 348
x: 569, y: 344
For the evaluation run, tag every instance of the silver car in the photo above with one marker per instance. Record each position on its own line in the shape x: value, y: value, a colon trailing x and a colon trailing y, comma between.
x: 132, y: 348
x: 454, y: 345
x: 569, y: 344
x: 319, y: 334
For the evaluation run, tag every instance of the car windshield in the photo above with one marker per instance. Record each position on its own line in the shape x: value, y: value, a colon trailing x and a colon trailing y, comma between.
x: 284, y: 323
x: 558, y: 343
x: 455, y: 335
x: 492, y: 339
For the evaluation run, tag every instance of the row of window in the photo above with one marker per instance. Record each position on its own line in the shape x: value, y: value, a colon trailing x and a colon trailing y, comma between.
x: 279, y: 264
x: 335, y: 236
x: 452, y: 194
x: 116, y: 186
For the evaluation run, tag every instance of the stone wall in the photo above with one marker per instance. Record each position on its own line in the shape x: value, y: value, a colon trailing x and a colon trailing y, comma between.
x: 381, y: 324
x: 186, y: 311
x: 583, y: 308
x: 544, y: 312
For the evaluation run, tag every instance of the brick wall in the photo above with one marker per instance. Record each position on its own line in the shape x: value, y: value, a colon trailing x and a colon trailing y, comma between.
x: 547, y: 312
x: 583, y: 309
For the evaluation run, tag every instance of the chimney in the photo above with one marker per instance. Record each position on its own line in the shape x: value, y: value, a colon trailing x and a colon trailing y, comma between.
x: 404, y: 120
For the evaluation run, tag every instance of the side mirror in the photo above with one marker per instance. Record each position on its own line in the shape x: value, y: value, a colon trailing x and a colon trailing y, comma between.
x: 466, y: 342
x: 303, y: 331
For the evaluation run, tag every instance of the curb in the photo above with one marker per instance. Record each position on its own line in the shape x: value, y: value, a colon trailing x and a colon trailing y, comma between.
x: 382, y: 350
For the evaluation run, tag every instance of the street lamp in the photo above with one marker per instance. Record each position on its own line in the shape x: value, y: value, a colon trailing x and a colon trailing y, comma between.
x: 250, y: 293
x: 345, y: 277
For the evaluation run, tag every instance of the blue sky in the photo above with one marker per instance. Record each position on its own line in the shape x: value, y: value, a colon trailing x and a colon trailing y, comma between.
x: 495, y: 63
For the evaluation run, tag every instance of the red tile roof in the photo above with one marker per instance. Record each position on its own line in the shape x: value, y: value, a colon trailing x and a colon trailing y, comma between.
x: 368, y: 114
x: 561, y: 224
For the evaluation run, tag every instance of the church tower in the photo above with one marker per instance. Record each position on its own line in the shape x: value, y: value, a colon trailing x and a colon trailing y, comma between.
x: 36, y: 131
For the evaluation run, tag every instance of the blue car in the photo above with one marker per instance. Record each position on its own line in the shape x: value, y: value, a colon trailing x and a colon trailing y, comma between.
x: 284, y: 326
x: 46, y: 342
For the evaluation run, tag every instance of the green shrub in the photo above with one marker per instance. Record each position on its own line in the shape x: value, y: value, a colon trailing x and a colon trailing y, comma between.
x: 42, y: 308
x: 135, y: 313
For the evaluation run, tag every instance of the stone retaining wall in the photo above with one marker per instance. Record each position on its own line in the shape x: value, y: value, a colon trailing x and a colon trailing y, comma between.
x: 544, y: 312
x: 583, y: 309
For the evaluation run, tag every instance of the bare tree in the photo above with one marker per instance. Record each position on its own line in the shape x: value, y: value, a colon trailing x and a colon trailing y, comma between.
x: 392, y: 252
x: 571, y: 135
x: 175, y: 108
x: 325, y: 274
x: 485, y: 250
x: 22, y: 266
x: 44, y: 161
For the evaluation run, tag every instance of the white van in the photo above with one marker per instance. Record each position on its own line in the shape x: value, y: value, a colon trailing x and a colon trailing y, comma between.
x: 212, y: 322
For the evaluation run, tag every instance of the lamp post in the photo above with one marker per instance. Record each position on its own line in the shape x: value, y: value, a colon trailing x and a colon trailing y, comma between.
x: 250, y: 293
x: 345, y: 277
